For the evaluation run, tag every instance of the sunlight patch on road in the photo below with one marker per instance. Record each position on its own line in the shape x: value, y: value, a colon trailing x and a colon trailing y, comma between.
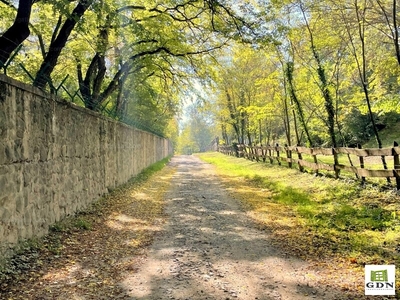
x: 227, y: 212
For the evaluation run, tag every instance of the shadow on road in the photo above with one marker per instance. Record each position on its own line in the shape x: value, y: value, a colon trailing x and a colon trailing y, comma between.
x: 207, y: 249
x: 210, y: 249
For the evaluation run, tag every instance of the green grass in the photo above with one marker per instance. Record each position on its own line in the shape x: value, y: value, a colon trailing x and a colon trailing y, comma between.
x: 387, y: 136
x: 349, y: 220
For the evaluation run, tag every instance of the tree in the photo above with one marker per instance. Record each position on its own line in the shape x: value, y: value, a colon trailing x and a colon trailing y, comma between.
x: 43, y: 75
x: 18, y: 31
x: 197, y: 132
x: 390, y: 19
x: 95, y: 48
x: 295, y: 100
x: 323, y: 82
x: 243, y: 94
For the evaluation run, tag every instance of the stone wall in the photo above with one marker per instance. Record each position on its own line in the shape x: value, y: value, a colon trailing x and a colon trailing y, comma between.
x: 56, y: 158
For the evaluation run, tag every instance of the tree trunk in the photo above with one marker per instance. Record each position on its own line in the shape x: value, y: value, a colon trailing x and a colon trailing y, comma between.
x: 325, y: 93
x: 295, y: 100
x: 120, y: 104
x: 224, y: 134
x: 50, y: 61
x: 91, y: 84
x: 232, y: 114
x: 324, y: 85
x: 286, y: 118
x: 362, y: 68
x: 393, y: 27
x: 17, y: 33
x: 396, y: 32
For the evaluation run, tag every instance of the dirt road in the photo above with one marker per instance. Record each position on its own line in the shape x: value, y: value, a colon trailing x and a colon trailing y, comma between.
x: 210, y: 249
x: 205, y: 247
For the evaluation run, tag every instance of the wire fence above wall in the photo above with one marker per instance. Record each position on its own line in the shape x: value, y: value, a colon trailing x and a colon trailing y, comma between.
x: 64, y: 90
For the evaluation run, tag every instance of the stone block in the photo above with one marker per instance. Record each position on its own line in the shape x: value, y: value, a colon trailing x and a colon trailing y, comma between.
x: 20, y: 204
x: 3, y: 124
x: 6, y: 213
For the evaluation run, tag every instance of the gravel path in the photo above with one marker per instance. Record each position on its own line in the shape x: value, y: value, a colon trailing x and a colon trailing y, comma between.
x: 210, y: 249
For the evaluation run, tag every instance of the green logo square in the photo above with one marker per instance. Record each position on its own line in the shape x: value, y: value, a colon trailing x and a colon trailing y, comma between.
x: 381, y: 275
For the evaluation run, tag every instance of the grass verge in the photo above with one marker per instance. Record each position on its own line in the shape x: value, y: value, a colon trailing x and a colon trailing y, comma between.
x: 338, y: 220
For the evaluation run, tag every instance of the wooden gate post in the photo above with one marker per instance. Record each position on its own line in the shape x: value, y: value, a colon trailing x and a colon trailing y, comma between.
x: 288, y: 155
x: 270, y: 155
x: 396, y: 161
x: 277, y: 154
x: 263, y: 153
x: 300, y: 158
x: 361, y: 158
x: 315, y: 161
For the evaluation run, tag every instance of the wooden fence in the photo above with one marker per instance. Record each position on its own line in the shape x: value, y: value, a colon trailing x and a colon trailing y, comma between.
x: 297, y: 156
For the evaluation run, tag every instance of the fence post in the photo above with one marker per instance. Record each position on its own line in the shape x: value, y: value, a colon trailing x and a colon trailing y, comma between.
x: 361, y: 158
x: 396, y: 161
x: 271, y: 159
x: 235, y: 149
x: 335, y: 163
x: 277, y: 154
x: 315, y: 161
x: 251, y: 152
x: 246, y: 151
x: 257, y: 153
x: 300, y: 158
x: 263, y: 153
x: 288, y: 155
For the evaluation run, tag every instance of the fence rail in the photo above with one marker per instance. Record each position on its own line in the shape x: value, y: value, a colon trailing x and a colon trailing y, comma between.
x: 295, y: 155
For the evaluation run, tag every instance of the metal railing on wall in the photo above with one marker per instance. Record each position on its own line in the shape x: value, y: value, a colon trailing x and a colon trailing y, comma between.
x: 74, y: 96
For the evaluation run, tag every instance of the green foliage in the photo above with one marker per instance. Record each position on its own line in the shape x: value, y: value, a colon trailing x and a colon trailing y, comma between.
x: 131, y: 62
x: 197, y: 132
x: 249, y: 96
x: 149, y: 171
x: 357, y: 128
x: 7, y: 15
x: 336, y: 50
x: 138, y: 62
x: 82, y: 223
x: 26, y: 252
x: 389, y: 134
x: 57, y: 227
